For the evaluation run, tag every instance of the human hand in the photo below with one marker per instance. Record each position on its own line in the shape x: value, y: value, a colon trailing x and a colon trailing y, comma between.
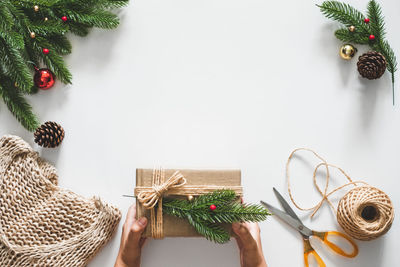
x: 131, y: 240
x: 249, y: 243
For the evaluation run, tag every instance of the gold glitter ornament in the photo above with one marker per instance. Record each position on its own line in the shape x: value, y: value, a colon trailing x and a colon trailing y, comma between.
x: 347, y: 51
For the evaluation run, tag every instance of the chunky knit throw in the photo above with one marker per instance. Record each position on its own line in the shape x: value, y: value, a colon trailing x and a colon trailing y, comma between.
x: 42, y: 224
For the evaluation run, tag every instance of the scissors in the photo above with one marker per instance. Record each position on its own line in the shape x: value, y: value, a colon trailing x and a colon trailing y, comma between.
x: 290, y: 217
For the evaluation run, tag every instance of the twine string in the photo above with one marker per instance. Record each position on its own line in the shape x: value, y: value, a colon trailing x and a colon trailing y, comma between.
x: 351, y: 206
x: 157, y: 228
x: 324, y: 193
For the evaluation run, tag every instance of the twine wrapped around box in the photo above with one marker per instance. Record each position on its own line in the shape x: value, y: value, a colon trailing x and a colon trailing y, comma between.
x: 150, y: 197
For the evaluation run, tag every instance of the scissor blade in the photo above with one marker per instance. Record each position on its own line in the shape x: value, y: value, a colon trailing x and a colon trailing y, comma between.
x: 296, y: 224
x: 285, y: 205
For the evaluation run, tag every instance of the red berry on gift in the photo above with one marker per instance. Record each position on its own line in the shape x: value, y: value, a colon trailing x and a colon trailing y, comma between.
x: 64, y: 18
x: 372, y: 37
x: 213, y: 207
x: 366, y: 20
x: 46, y: 51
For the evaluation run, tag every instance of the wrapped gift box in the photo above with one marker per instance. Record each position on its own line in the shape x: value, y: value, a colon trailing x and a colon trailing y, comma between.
x: 176, y: 227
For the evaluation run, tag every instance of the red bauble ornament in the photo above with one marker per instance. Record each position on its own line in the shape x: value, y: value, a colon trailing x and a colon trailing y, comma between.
x: 46, y: 51
x: 372, y: 37
x: 366, y: 20
x: 213, y: 207
x: 44, y: 79
x: 64, y: 18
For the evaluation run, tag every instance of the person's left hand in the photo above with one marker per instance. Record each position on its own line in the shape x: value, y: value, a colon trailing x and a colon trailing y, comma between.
x: 131, y: 241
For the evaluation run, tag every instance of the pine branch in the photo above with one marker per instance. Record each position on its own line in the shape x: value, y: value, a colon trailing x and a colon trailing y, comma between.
x: 343, y: 13
x: 208, y: 222
x: 380, y: 44
x: 53, y: 61
x: 388, y: 52
x: 60, y: 44
x: 13, y: 63
x: 103, y: 4
x: 95, y: 18
x: 6, y: 17
x: 20, y: 52
x: 42, y: 3
x: 216, y: 197
x: 18, y: 106
x: 212, y: 232
x: 237, y: 212
x: 377, y: 23
x: 209, y: 230
x: 112, y: 3
x: 46, y: 28
x: 345, y: 35
x: 56, y: 63
x: 32, y: 53
x: 79, y: 29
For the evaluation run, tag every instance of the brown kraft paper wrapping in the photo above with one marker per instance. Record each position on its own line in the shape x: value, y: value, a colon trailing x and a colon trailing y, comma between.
x: 176, y: 227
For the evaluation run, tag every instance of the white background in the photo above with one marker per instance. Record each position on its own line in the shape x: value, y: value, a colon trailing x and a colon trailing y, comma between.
x: 224, y: 84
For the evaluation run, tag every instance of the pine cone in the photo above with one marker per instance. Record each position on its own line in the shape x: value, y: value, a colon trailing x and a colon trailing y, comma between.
x: 371, y: 65
x: 49, y: 134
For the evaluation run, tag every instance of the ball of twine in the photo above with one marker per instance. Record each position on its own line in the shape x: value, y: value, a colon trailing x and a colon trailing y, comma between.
x: 365, y: 213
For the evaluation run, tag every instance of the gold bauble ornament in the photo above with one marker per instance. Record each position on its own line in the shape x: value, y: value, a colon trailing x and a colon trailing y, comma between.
x: 33, y: 35
x: 352, y: 28
x: 46, y: 19
x: 190, y: 197
x: 347, y: 51
x: 36, y: 8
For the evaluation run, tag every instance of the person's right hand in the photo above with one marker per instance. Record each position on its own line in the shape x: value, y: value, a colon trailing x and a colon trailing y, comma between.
x: 249, y: 242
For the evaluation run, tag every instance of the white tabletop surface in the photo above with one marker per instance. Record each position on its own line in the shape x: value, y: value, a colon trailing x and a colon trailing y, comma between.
x: 224, y: 84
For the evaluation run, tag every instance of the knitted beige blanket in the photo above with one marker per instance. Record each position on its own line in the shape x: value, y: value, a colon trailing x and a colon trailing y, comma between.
x: 40, y: 223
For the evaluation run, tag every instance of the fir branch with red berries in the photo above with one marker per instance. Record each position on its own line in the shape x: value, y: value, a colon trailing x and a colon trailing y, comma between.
x: 360, y: 29
x: 33, y: 40
x: 210, y: 212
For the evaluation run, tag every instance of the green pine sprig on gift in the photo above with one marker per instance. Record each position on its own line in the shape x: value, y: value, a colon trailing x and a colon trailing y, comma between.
x: 29, y: 26
x: 208, y: 213
x: 349, y: 16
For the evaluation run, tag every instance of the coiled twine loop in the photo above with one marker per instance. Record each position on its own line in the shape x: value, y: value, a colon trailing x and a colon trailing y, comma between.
x: 365, y: 213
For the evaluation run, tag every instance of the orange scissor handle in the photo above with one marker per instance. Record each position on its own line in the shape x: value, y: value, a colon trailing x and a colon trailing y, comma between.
x: 308, y: 250
x: 324, y: 237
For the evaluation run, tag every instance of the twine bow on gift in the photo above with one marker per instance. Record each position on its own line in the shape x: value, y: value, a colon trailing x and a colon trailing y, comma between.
x: 149, y: 198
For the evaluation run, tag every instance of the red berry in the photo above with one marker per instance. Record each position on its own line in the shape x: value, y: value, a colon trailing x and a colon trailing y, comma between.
x: 64, y: 18
x: 366, y: 20
x: 213, y: 207
x: 46, y: 51
x: 372, y: 37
